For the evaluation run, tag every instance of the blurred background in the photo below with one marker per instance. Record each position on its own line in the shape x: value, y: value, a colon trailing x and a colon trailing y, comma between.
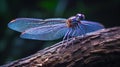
x: 12, y: 47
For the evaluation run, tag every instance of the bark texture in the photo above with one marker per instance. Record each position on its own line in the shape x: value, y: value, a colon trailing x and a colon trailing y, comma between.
x: 99, y: 49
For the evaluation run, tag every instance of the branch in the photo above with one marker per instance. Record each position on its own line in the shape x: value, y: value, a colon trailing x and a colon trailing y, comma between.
x: 101, y: 49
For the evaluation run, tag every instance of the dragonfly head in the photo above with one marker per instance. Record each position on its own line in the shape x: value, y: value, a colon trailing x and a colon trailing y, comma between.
x: 80, y: 17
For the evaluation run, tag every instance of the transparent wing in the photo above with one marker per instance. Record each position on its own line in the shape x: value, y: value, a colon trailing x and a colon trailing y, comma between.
x: 90, y: 26
x: 22, y: 24
x: 50, y: 32
x: 86, y: 27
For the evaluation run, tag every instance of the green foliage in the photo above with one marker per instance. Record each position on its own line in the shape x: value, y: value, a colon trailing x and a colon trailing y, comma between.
x: 48, y: 5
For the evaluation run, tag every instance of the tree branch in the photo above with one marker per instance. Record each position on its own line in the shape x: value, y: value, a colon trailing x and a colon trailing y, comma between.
x: 101, y: 49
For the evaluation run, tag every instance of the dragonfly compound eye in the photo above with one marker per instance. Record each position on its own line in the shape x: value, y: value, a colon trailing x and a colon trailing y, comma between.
x: 80, y: 17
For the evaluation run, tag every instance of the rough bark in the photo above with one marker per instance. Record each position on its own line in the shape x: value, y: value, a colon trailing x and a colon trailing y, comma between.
x: 100, y: 49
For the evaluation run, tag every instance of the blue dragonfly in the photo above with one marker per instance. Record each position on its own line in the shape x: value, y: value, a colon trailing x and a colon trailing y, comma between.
x: 54, y: 28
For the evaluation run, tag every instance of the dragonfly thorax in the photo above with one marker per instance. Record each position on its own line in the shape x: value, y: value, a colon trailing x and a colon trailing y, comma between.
x: 73, y: 21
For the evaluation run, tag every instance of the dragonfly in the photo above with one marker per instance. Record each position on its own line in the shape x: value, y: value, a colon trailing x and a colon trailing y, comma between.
x: 54, y: 28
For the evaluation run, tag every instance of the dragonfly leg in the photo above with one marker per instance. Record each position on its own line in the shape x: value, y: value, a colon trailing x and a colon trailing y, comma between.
x: 65, y: 36
x: 82, y: 29
x: 74, y: 32
x: 68, y: 36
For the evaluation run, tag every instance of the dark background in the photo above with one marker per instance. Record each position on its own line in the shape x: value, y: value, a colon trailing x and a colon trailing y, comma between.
x: 12, y: 47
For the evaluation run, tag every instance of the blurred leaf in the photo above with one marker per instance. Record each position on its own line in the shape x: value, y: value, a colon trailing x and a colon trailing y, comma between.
x: 48, y: 4
x: 3, y: 6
